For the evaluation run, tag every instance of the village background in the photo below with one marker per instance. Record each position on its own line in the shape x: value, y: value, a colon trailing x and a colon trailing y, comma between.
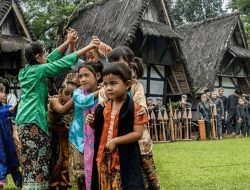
x: 187, y: 46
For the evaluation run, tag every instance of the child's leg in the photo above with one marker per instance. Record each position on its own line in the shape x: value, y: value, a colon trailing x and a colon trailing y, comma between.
x: 238, y: 127
x: 219, y: 126
x: 149, y: 171
x: 77, y: 167
x: 208, y: 129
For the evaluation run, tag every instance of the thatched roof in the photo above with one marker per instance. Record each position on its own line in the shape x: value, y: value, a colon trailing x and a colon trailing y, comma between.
x: 239, y: 52
x: 114, y: 21
x: 11, y: 43
x: 149, y: 28
x: 5, y: 7
x: 205, y: 44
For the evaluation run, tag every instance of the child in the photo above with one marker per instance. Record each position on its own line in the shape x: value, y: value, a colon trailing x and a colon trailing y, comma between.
x: 32, y: 110
x: 241, y: 117
x: 59, y: 124
x: 125, y: 55
x: 82, y: 140
x: 117, y: 130
x: 218, y: 105
x: 204, y: 112
x: 8, y: 157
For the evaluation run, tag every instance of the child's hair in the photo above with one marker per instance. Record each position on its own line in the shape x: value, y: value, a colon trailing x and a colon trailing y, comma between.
x: 71, y: 78
x: 6, y: 84
x: 2, y: 88
x: 203, y: 96
x: 136, y: 65
x: 121, y: 52
x: 118, y: 69
x: 31, y: 50
x: 94, y: 67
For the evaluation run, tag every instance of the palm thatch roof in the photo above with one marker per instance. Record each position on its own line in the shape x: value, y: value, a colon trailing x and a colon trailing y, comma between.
x: 6, y: 6
x: 116, y: 21
x: 12, y: 43
x: 149, y: 28
x: 205, y: 44
x: 239, y: 52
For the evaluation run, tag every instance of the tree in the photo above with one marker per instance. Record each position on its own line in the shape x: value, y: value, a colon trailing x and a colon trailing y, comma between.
x: 244, y: 7
x: 45, y: 17
x: 195, y: 10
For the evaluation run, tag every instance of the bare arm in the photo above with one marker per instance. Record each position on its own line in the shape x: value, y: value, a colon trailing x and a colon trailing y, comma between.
x: 62, y: 109
x: 126, y: 139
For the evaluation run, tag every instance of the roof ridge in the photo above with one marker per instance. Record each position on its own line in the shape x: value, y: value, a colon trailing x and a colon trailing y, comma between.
x: 208, y: 20
x: 86, y: 6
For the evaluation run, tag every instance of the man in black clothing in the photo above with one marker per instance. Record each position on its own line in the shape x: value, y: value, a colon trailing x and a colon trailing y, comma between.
x: 232, y: 102
x: 224, y: 100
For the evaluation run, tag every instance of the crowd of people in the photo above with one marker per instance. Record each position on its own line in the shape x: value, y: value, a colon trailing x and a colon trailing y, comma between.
x: 94, y: 127
x: 231, y: 114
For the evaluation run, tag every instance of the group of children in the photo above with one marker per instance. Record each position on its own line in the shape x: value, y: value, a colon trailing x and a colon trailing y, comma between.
x: 95, y: 126
x: 230, y: 114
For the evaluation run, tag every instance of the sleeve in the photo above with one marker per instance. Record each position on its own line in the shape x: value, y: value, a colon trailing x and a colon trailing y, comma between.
x: 237, y: 112
x: 54, y: 55
x: 139, y: 95
x: 222, y: 108
x: 199, y: 110
x: 82, y: 101
x: 139, y: 120
x: 4, y: 111
x: 101, y: 95
x: 53, y: 68
x: 228, y: 104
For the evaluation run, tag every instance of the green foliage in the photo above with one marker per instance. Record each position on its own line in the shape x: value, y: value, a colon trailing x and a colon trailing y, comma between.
x: 195, y: 10
x: 46, y: 17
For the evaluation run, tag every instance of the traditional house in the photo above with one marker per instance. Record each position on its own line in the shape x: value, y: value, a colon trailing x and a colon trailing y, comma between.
x: 14, y: 34
x: 217, y: 53
x: 146, y: 27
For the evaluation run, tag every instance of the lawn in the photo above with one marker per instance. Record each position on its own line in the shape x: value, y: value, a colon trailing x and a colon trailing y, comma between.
x: 216, y: 165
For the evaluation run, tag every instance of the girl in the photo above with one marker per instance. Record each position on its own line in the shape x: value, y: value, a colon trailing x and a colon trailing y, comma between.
x: 32, y: 110
x: 8, y: 158
x: 125, y: 55
x: 117, y: 131
x: 59, y: 124
x: 82, y: 140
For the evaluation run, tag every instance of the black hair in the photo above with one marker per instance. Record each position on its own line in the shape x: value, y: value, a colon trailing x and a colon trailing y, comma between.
x: 136, y: 65
x: 121, y: 52
x: 94, y: 67
x: 118, y: 69
x: 6, y: 84
x: 2, y: 87
x: 33, y: 49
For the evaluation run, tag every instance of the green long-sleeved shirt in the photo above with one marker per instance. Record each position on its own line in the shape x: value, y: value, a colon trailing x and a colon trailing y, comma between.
x: 34, y: 93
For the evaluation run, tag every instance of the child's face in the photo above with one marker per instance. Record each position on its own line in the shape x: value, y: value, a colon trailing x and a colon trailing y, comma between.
x: 87, y: 79
x: 204, y: 99
x: 214, y: 96
x: 41, y: 58
x: 221, y: 92
x: 115, y: 87
x: 149, y: 102
x: 2, y: 97
x: 67, y: 92
x: 241, y: 102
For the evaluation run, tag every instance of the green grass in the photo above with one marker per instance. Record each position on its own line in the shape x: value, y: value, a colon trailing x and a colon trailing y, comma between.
x: 215, y: 165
